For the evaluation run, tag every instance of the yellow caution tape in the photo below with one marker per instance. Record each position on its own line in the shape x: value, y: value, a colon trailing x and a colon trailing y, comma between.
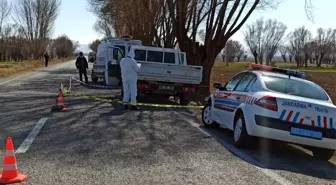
x: 143, y: 104
x: 107, y: 100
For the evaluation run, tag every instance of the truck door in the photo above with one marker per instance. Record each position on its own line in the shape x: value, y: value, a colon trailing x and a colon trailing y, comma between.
x: 114, y: 67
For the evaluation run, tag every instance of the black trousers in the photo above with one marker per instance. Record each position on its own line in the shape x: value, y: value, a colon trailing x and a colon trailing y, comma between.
x: 46, y: 62
x: 81, y: 73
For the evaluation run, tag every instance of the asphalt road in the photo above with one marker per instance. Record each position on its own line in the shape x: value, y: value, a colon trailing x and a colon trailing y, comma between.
x: 99, y: 143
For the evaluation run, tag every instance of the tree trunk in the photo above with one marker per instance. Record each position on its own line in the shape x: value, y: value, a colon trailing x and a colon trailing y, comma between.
x: 255, y: 59
x: 207, y: 68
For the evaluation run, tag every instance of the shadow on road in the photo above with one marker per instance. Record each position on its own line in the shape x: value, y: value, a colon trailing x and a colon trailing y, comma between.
x: 277, y: 155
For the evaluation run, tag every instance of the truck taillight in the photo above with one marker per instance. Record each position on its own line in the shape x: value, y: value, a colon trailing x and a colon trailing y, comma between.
x: 143, y: 86
x: 188, y: 89
x: 268, y: 102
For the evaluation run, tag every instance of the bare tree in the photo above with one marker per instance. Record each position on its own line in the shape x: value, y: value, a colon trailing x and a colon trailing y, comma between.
x: 201, y: 35
x: 298, y: 39
x: 37, y: 17
x: 324, y: 41
x: 233, y: 49
x: 5, y: 10
x: 263, y: 38
x: 123, y: 17
x: 272, y: 38
x: 64, y: 47
x: 291, y: 52
x: 283, y: 51
x: 253, y: 38
x: 240, y: 53
x: 104, y: 26
x: 94, y: 45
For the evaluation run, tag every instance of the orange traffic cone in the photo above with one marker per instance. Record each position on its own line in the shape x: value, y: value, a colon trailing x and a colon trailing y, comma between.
x: 10, y: 173
x: 60, y: 99
x: 59, y: 103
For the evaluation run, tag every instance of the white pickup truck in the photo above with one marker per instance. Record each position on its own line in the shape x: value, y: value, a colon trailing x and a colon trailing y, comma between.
x: 163, y: 71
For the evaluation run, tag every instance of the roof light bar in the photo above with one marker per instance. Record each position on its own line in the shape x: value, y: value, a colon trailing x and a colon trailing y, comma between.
x: 126, y: 36
x: 278, y: 70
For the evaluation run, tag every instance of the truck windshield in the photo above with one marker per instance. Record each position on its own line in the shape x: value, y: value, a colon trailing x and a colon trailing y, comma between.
x: 122, y: 48
x: 295, y: 87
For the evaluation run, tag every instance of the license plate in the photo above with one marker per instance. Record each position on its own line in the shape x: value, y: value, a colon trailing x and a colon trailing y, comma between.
x: 166, y: 87
x: 306, y: 133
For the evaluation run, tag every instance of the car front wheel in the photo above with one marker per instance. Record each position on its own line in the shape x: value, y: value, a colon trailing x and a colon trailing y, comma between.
x: 206, y: 117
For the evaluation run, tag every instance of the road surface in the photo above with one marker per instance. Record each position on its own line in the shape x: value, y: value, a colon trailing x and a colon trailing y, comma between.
x: 99, y: 143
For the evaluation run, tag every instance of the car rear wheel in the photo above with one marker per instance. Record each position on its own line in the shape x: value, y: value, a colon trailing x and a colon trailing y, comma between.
x: 240, y: 135
x: 323, y: 153
x: 206, y: 117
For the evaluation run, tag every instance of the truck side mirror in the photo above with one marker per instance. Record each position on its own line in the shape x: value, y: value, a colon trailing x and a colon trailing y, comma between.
x: 217, y: 85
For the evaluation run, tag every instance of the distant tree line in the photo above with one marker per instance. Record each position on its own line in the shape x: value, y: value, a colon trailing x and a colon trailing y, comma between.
x: 26, y: 29
x: 265, y: 38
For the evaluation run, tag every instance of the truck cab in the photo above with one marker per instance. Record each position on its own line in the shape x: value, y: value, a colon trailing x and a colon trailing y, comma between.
x: 109, y: 54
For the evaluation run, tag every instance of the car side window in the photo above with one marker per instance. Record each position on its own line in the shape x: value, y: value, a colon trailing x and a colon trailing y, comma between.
x: 231, y: 84
x: 244, y: 82
x: 250, y: 85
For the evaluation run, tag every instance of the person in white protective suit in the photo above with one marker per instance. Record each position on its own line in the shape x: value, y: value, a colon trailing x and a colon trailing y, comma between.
x: 129, y: 69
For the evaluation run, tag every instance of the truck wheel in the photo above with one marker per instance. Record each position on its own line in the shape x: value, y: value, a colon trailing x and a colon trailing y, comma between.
x: 93, y: 77
x: 104, y: 81
x: 183, y: 99
x: 323, y: 153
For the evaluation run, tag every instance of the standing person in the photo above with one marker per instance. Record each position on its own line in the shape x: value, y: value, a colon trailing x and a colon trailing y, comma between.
x: 82, y: 65
x: 129, y: 69
x: 46, y: 59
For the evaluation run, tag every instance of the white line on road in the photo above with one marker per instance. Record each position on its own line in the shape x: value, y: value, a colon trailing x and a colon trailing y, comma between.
x: 32, y: 135
x: 2, y: 83
x: 237, y: 152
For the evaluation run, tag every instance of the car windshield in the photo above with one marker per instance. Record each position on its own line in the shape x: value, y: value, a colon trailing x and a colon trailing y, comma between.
x: 295, y: 87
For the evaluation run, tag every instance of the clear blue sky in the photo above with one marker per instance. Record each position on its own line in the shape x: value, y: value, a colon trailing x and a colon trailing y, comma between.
x: 76, y: 21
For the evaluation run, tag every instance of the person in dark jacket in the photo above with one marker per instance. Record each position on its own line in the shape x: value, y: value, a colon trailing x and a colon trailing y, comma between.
x: 82, y: 66
x: 46, y: 59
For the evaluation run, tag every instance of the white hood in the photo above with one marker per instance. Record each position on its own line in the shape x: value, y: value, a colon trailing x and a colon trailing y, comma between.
x: 131, y: 54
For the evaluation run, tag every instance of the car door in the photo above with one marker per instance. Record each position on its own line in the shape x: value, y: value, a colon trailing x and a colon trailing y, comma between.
x: 239, y: 95
x: 114, y: 67
x: 224, y: 103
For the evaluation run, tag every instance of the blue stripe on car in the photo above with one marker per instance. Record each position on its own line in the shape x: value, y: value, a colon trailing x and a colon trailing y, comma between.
x: 331, y: 123
x: 319, y: 121
x: 296, y: 117
x: 282, y: 114
x: 228, y: 102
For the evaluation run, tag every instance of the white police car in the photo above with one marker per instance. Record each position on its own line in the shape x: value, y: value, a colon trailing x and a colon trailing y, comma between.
x: 277, y: 104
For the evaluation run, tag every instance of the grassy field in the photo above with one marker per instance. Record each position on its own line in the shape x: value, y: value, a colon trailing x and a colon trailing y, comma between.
x: 12, y: 68
x: 324, y: 76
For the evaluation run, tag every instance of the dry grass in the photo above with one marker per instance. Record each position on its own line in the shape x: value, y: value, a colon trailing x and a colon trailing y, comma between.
x: 311, y: 67
x: 12, y: 68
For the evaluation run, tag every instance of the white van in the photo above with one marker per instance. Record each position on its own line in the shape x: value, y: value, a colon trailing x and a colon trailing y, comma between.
x: 109, y: 53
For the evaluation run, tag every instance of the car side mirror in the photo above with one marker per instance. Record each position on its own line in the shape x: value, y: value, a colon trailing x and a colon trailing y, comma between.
x: 217, y: 85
